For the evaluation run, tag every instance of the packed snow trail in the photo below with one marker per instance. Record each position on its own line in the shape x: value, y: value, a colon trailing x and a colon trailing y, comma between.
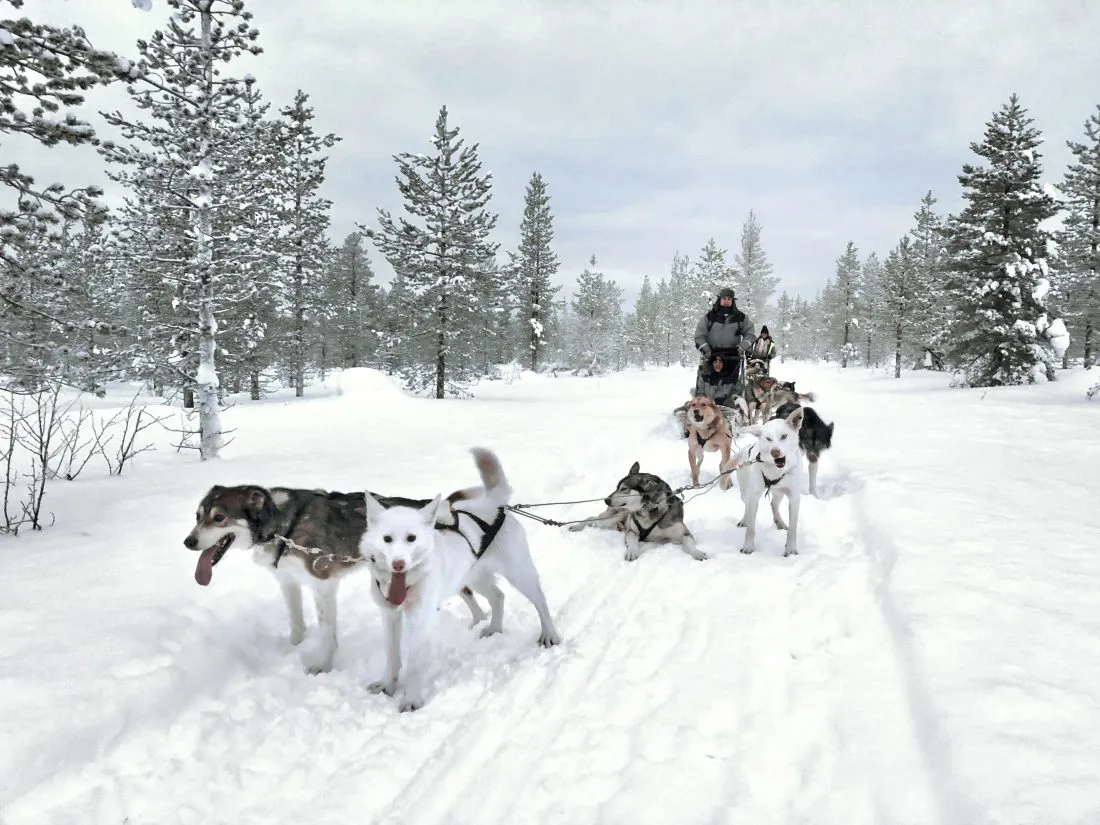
x: 737, y: 690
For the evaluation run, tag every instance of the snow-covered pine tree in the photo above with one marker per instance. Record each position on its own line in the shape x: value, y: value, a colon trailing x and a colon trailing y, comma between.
x: 841, y: 299
x: 869, y: 308
x: 597, y: 318
x: 356, y: 300
x: 250, y: 226
x: 304, y: 216
x: 1080, y: 237
x: 46, y: 72
x: 196, y: 113
x: 928, y: 251
x: 709, y: 273
x: 643, y: 326
x: 667, y: 327
x: 754, y: 272
x: 999, y: 278
x: 682, y: 308
x: 535, y: 265
x: 903, y: 302
x: 449, y: 196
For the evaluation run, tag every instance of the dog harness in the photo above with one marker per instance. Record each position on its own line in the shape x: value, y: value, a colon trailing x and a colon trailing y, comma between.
x: 768, y: 482
x: 488, y: 530
x: 643, y: 532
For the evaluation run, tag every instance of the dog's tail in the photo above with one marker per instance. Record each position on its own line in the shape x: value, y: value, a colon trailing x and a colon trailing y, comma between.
x: 805, y: 396
x: 497, y: 489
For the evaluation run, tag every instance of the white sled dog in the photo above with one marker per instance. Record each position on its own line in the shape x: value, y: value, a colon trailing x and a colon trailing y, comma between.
x: 417, y: 566
x: 772, y: 465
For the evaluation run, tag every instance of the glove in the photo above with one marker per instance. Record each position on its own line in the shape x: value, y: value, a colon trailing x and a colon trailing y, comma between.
x: 705, y: 349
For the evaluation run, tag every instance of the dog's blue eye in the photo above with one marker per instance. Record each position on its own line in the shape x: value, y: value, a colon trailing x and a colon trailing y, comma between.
x: 410, y: 538
x: 783, y: 437
x: 387, y: 539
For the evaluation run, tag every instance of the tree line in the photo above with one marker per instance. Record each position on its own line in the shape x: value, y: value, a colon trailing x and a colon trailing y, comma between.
x: 218, y: 274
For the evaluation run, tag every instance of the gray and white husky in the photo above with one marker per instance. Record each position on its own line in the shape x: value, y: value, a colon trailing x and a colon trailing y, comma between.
x: 645, y: 509
x: 416, y: 567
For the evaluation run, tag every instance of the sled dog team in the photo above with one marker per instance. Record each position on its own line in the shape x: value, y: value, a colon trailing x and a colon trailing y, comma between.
x: 420, y: 553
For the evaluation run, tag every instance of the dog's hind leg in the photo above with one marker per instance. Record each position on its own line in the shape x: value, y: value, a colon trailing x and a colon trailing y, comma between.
x: 292, y: 596
x: 517, y: 566
x: 324, y: 599
x: 391, y: 640
x: 687, y: 544
x: 485, y: 584
x: 477, y: 614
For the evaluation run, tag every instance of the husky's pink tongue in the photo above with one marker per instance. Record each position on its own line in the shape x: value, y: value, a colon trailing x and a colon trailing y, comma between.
x: 398, y: 590
x: 204, y: 570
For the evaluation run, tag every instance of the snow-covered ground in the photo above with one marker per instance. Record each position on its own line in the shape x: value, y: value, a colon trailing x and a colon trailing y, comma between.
x: 932, y: 656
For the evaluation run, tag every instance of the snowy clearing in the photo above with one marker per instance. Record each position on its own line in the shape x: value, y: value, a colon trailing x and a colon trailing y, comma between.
x: 931, y: 656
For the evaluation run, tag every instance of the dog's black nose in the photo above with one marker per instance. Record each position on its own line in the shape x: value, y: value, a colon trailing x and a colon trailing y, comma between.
x: 607, y: 501
x: 190, y: 542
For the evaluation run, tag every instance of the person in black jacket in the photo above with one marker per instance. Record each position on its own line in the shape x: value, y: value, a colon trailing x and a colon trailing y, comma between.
x: 726, y: 330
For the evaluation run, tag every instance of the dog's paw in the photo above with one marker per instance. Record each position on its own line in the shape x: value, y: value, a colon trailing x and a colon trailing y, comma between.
x: 316, y: 668
x: 576, y: 528
x: 741, y: 523
x: 748, y: 549
x: 699, y: 555
x: 790, y: 551
x: 297, y: 635
x: 631, y: 555
x: 780, y: 524
x: 408, y: 704
x: 385, y: 686
x: 486, y: 632
x: 549, y: 638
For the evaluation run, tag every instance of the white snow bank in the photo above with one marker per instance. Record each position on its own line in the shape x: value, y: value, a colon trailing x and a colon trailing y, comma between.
x: 375, y: 383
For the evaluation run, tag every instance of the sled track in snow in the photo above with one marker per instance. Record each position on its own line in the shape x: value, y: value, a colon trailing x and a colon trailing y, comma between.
x: 545, y: 688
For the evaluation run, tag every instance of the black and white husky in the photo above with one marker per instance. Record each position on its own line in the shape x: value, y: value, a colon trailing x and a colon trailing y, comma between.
x: 416, y: 567
x: 644, y: 508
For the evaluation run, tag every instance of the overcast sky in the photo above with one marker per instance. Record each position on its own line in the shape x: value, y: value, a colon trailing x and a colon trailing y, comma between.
x: 660, y: 124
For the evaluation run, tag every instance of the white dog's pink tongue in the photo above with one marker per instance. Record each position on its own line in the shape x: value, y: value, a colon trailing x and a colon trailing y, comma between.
x: 204, y: 570
x: 398, y: 590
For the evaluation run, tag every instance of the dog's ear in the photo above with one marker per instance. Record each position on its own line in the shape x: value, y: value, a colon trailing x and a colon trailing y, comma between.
x: 829, y: 430
x: 794, y: 420
x: 374, y: 509
x: 430, y: 511
x: 635, y: 468
x: 258, y: 506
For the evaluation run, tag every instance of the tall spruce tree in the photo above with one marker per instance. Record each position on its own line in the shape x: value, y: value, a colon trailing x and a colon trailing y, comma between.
x: 597, y: 318
x: 870, y: 306
x: 999, y: 277
x: 304, y: 215
x: 928, y: 252
x: 355, y: 297
x: 842, y: 298
x: 1080, y: 238
x: 440, y: 255
x: 754, y: 271
x: 535, y: 265
x: 903, y: 304
x: 197, y: 114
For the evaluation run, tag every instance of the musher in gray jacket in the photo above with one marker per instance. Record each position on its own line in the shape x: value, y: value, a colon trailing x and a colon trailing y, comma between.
x: 726, y: 330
